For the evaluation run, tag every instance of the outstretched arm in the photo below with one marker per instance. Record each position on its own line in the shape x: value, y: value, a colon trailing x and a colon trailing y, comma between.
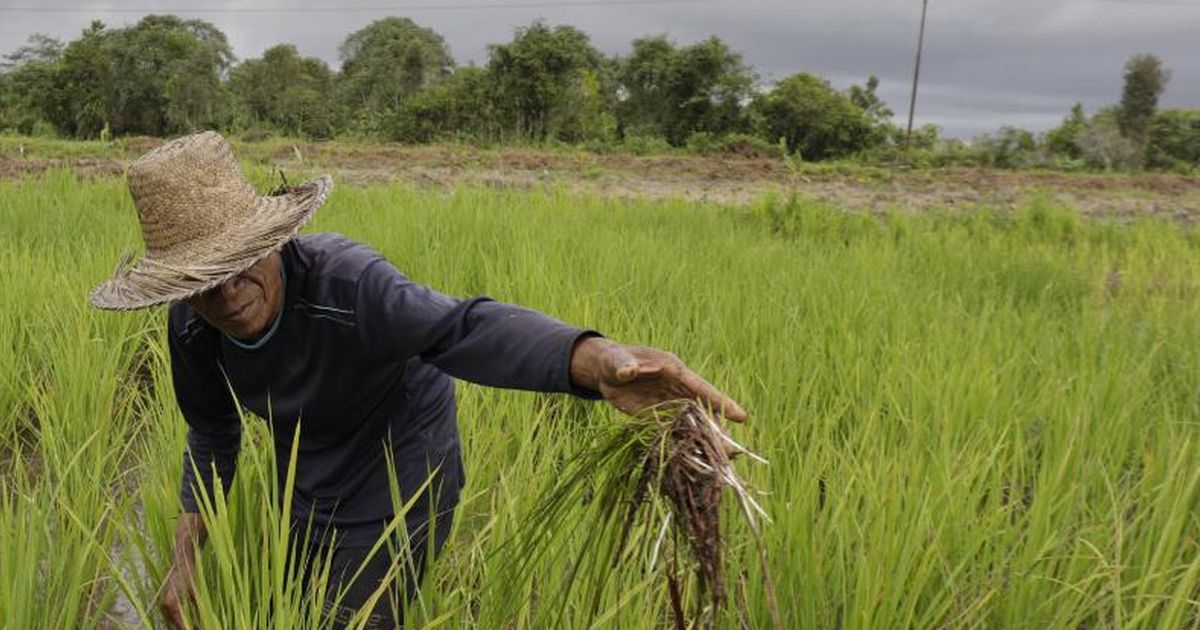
x: 503, y: 345
x: 634, y: 378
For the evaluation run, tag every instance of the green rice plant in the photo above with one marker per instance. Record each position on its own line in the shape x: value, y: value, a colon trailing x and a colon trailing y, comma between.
x: 648, y: 491
x: 982, y: 418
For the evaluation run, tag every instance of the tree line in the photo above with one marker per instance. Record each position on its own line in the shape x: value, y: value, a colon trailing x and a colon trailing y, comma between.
x: 1128, y: 135
x: 167, y: 75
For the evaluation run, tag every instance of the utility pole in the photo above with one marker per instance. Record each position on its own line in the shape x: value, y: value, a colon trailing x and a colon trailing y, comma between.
x: 912, y: 102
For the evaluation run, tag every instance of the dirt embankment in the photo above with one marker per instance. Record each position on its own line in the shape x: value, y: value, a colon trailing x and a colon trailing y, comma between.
x: 717, y: 179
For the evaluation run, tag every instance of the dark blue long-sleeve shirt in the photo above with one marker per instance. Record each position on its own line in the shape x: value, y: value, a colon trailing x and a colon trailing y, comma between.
x: 362, y: 358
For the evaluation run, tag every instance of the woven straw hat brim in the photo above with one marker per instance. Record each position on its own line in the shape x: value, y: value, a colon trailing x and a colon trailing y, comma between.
x: 209, y: 262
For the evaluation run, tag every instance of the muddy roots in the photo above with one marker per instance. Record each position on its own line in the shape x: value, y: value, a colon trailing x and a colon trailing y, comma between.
x: 642, y: 501
x: 689, y: 465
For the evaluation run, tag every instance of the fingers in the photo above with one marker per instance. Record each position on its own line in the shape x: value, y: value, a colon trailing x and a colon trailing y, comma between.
x: 626, y: 364
x: 177, y: 587
x: 172, y: 611
x: 175, y: 620
x: 711, y: 396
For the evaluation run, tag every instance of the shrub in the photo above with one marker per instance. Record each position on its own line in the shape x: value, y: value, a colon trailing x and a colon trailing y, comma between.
x: 639, y: 144
x: 813, y: 119
x: 733, y: 144
x: 1174, y: 142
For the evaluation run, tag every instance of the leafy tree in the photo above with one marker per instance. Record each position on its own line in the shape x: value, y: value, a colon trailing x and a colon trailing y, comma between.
x: 1145, y: 80
x: 676, y: 92
x: 1174, y: 141
x: 866, y: 99
x: 82, y: 99
x: 1063, y: 140
x: 1102, y: 144
x: 712, y: 85
x: 1011, y: 147
x: 27, y: 82
x: 40, y: 48
x: 927, y: 137
x: 286, y: 91
x: 812, y: 118
x: 160, y: 76
x: 646, y: 78
x: 170, y: 73
x: 550, y: 83
x: 387, y: 62
x: 462, y: 104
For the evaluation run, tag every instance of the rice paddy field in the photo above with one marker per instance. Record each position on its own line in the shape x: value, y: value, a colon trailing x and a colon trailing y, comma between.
x: 973, y: 418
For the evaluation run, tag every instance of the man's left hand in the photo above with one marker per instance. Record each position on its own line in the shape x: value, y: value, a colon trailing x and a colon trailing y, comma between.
x: 635, y: 378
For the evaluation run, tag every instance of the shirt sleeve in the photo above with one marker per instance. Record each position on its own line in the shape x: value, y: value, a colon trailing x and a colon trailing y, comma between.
x: 214, y: 434
x: 478, y: 339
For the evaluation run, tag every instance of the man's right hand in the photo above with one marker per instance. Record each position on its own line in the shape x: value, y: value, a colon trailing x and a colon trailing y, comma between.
x: 179, y: 589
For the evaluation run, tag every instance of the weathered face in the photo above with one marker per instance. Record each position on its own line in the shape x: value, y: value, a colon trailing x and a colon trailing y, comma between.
x: 244, y: 305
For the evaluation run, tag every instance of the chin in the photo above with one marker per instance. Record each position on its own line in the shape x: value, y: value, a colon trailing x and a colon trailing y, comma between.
x: 243, y: 330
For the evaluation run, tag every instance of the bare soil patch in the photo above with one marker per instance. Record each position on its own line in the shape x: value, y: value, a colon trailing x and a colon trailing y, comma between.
x: 723, y: 179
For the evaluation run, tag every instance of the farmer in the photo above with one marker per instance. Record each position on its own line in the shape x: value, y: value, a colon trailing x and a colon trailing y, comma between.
x: 322, y: 333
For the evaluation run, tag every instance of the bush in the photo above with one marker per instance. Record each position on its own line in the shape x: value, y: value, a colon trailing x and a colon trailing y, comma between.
x: 1174, y: 142
x: 747, y: 146
x: 1009, y: 148
x: 702, y: 143
x: 1102, y: 146
x: 733, y: 144
x: 813, y: 119
x: 639, y: 144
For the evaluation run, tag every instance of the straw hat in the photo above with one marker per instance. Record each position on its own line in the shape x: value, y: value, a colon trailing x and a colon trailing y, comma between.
x: 201, y: 221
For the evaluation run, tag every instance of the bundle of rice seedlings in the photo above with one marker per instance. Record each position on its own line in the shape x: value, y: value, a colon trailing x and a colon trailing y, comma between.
x: 647, y: 494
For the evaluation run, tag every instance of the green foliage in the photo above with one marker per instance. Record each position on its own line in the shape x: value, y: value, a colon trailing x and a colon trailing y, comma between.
x: 82, y: 99
x: 645, y: 144
x: 734, y: 144
x: 167, y: 74
x: 1063, y: 140
x: 646, y: 77
x: 1174, y: 141
x: 675, y: 92
x: 975, y: 419
x: 551, y: 83
x: 161, y: 76
x: 386, y: 63
x: 549, y: 86
x: 812, y: 118
x: 461, y: 105
x: 1145, y: 80
x: 865, y: 98
x: 28, y: 83
x: 946, y: 152
x: 285, y: 91
x: 925, y: 137
x: 877, y: 111
x: 1011, y: 147
x: 39, y: 48
x: 1103, y: 146
x: 589, y: 108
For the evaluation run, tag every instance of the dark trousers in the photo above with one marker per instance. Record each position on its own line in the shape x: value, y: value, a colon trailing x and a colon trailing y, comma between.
x: 354, y: 578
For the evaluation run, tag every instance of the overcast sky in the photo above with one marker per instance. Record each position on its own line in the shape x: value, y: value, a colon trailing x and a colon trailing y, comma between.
x: 987, y: 62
